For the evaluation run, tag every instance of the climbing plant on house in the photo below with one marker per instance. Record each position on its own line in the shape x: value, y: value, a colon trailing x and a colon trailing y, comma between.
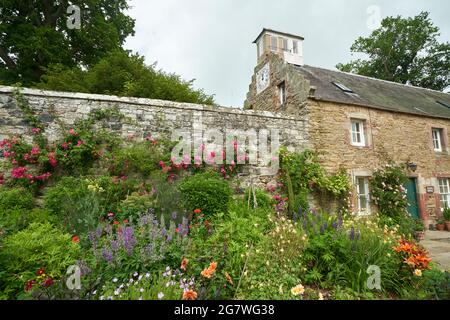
x: 302, y: 173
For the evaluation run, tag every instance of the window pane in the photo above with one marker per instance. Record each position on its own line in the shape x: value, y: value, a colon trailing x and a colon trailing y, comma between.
x: 295, y: 46
x: 273, y: 43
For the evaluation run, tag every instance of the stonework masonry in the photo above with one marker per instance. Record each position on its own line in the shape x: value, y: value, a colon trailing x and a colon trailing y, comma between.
x: 391, y: 136
x: 396, y: 137
x: 147, y: 116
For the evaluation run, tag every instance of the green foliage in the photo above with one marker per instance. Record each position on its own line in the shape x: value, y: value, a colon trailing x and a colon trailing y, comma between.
x: 446, y: 213
x: 436, y: 284
x: 123, y: 74
x: 205, y: 191
x: 139, y: 158
x: 228, y: 242
x: 17, y: 198
x: 302, y: 173
x: 80, y: 203
x: 404, y: 50
x: 40, y: 36
x: 38, y: 246
x: 16, y: 219
x: 134, y: 205
x: 263, y: 200
x: 389, y: 195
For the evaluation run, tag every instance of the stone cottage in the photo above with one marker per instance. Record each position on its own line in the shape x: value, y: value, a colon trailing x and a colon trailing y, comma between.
x: 358, y: 123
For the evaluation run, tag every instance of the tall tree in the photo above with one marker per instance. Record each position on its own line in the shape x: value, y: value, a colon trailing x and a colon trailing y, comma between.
x: 35, y: 34
x: 123, y: 74
x: 404, y: 50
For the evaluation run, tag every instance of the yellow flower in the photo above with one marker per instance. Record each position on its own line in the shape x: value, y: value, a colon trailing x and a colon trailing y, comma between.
x: 298, y: 290
x: 418, y: 272
x: 320, y: 296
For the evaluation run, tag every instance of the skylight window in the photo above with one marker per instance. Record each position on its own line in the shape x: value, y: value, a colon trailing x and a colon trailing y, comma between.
x: 342, y: 87
x: 443, y: 104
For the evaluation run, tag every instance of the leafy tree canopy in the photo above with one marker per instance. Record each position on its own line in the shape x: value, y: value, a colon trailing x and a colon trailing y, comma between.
x: 404, y: 50
x: 123, y: 74
x: 35, y: 34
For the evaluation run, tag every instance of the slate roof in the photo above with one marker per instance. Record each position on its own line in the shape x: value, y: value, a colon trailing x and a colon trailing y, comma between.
x: 376, y: 93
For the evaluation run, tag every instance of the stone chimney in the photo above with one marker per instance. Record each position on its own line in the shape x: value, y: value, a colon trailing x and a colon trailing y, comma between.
x: 287, y: 46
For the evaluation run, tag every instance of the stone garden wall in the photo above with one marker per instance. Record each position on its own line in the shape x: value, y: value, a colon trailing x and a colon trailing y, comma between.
x: 144, y: 116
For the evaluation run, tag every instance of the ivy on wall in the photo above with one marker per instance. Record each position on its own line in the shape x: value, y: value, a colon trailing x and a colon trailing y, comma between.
x: 303, y: 174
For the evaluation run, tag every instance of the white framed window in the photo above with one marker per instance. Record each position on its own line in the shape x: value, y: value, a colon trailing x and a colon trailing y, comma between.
x: 285, y: 44
x: 282, y: 93
x: 363, y: 195
x: 358, y: 138
x: 273, y: 43
x: 444, y: 192
x: 437, y: 139
x: 261, y: 47
x: 295, y: 46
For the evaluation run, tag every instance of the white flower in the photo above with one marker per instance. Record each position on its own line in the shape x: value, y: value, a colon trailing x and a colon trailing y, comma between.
x: 140, y: 298
x: 116, y: 292
x: 115, y: 280
x: 94, y: 292
x: 141, y: 289
x: 135, y: 274
x: 102, y: 298
x: 147, y: 275
x: 131, y: 280
x: 140, y: 277
x: 160, y: 295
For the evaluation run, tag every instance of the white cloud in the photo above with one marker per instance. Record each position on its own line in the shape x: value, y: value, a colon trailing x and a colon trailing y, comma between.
x: 211, y: 40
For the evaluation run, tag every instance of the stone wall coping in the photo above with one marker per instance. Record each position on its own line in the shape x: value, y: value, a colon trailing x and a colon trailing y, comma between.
x: 148, y: 102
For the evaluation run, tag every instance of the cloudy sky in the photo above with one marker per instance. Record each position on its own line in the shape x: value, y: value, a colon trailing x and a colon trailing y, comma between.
x: 211, y: 40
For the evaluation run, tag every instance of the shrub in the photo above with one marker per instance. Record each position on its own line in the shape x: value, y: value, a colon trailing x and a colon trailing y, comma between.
x: 263, y: 200
x: 40, y: 246
x: 273, y: 265
x: 134, y: 205
x: 79, y: 203
x: 15, y: 199
x: 139, y: 158
x: 17, y: 219
x: 205, y: 191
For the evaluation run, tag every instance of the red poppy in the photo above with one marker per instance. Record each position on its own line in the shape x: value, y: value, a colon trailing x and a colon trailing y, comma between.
x: 116, y: 222
x: 125, y: 221
x: 48, y: 282
x: 40, y: 272
x: 75, y: 239
x: 197, y: 211
x: 29, y: 285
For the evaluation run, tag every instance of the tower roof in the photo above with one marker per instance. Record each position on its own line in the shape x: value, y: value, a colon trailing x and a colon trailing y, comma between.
x: 279, y: 33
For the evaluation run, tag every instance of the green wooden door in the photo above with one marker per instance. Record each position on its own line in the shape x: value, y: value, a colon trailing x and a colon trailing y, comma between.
x: 411, y: 195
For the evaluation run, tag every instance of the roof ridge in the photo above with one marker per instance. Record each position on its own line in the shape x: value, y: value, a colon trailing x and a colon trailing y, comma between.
x: 382, y: 80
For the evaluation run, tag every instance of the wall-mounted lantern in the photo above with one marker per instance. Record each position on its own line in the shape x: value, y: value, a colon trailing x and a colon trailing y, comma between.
x: 412, y: 166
